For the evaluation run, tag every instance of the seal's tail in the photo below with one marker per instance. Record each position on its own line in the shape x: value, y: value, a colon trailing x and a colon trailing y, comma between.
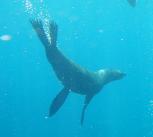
x: 47, y: 40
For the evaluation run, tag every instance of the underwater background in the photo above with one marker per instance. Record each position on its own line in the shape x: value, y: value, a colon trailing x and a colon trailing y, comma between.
x: 95, y: 34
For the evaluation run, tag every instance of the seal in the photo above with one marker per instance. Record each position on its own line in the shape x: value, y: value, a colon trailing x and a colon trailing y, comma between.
x: 73, y: 77
x: 132, y: 2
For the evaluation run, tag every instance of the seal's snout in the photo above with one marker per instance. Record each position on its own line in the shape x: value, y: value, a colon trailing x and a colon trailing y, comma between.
x: 122, y: 75
x: 119, y: 75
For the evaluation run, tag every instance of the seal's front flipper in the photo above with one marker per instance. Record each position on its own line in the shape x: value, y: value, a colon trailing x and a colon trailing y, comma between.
x: 58, y: 101
x: 132, y: 2
x: 87, y: 101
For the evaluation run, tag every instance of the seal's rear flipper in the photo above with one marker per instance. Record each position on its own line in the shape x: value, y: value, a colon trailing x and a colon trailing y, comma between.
x: 87, y: 101
x: 53, y: 29
x: 132, y: 2
x: 38, y: 27
x: 58, y: 101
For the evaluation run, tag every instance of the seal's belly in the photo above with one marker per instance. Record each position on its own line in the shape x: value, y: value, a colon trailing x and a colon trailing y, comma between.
x: 78, y: 80
x: 72, y: 75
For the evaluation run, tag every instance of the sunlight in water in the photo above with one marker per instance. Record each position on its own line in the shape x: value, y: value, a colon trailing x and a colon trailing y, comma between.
x: 5, y: 37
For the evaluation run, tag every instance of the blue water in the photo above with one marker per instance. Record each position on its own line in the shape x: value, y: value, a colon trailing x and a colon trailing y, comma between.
x: 94, y: 33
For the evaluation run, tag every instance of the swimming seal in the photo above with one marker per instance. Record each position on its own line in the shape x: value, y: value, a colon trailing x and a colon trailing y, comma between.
x: 73, y: 77
x: 132, y: 2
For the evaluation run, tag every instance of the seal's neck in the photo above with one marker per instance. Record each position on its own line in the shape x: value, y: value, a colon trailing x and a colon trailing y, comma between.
x: 108, y: 75
x: 103, y: 77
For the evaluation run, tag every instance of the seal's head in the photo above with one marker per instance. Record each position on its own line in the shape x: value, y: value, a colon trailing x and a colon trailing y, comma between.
x: 109, y: 75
